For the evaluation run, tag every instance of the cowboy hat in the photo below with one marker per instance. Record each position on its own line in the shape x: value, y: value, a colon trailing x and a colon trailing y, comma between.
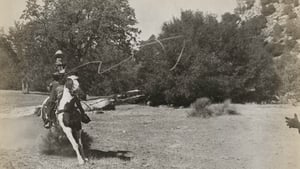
x: 59, y: 52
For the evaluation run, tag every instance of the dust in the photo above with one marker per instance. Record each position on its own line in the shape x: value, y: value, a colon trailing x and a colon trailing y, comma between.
x: 27, y: 133
x: 55, y: 142
x: 20, y: 133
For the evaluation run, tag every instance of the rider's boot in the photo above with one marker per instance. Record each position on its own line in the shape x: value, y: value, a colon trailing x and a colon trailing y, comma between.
x: 47, y: 125
x: 48, y: 121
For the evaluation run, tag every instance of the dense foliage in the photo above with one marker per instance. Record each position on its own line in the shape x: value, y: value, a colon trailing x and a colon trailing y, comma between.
x: 220, y: 59
x: 84, y: 30
x: 282, y: 34
x: 226, y: 59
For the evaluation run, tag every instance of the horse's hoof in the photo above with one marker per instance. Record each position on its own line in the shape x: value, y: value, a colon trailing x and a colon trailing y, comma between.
x: 81, y: 162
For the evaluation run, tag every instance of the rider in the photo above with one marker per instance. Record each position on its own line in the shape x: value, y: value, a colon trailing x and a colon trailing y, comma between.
x: 56, y: 89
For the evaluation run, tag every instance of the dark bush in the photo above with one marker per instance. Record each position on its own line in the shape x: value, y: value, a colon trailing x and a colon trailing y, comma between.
x: 266, y: 2
x: 295, y: 2
x: 293, y: 29
x: 268, y: 10
x: 276, y: 49
x: 287, y: 9
x: 292, y: 15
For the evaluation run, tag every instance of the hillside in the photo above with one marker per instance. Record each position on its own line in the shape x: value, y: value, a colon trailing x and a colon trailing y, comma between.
x: 282, y: 27
x: 282, y: 36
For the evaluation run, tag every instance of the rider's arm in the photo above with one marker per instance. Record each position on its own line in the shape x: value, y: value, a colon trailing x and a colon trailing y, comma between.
x: 293, y: 122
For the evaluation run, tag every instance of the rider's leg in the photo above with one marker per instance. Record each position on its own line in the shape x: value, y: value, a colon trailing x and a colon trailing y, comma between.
x: 50, y: 108
x: 49, y: 114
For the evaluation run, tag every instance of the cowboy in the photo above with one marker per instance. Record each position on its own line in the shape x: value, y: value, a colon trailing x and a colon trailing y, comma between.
x: 60, y: 63
x: 56, y: 90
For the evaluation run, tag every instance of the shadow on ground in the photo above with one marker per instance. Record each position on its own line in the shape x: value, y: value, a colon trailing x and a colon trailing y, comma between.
x: 98, y: 154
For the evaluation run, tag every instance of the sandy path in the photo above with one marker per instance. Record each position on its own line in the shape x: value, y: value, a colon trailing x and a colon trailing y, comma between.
x: 146, y: 137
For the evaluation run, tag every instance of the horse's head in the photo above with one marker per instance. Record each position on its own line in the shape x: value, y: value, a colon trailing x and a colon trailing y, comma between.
x: 73, y: 85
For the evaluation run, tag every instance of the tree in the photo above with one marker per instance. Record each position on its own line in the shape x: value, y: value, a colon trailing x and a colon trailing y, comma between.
x: 84, y: 30
x: 10, y: 72
x: 221, y: 60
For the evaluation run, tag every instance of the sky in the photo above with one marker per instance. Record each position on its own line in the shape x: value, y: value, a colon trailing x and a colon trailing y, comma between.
x: 151, y: 14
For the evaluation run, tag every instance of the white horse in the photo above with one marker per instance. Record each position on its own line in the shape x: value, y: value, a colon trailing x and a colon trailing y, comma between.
x: 64, y: 114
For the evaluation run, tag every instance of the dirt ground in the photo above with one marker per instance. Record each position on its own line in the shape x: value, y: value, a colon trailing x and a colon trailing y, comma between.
x: 136, y: 137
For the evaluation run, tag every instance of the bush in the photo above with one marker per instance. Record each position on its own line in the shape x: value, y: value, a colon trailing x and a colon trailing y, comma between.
x: 268, y: 10
x: 203, y: 108
x: 287, y: 9
x: 200, y: 108
x: 292, y: 29
x: 276, y: 49
x: 295, y: 2
x: 266, y: 2
x: 201, y: 103
x: 292, y: 15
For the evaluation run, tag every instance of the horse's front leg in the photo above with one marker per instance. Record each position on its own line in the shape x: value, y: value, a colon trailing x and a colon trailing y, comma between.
x: 79, y: 136
x: 68, y: 132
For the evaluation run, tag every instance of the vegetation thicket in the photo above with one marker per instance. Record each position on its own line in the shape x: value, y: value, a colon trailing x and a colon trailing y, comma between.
x: 219, y: 58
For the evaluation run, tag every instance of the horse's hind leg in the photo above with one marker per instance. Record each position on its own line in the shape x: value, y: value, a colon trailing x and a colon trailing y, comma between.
x: 79, y: 136
x: 68, y: 132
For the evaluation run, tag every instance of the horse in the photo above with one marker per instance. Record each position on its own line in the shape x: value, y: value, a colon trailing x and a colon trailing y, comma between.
x: 69, y: 118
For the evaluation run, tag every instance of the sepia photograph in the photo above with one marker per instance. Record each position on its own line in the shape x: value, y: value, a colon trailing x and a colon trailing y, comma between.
x: 149, y: 84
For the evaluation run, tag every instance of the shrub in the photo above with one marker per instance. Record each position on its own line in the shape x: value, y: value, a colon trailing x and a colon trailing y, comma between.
x: 277, y: 29
x: 203, y: 108
x: 200, y: 108
x: 276, y: 49
x: 292, y: 29
x: 266, y: 2
x: 201, y: 103
x: 292, y: 15
x: 268, y: 10
x: 295, y: 2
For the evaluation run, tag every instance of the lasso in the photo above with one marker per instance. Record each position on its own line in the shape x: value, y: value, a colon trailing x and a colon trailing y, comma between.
x: 159, y: 41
